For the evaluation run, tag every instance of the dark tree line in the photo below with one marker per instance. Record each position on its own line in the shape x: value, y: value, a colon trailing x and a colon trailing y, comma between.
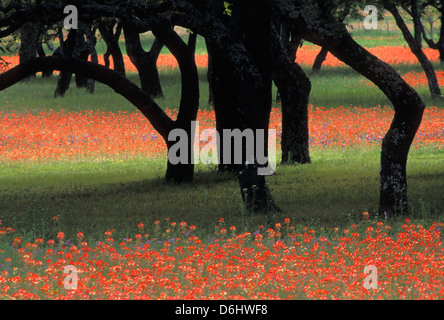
x: 251, y: 44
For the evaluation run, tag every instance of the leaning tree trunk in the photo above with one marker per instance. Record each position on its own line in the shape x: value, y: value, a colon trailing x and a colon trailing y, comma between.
x: 294, y: 88
x: 320, y: 58
x: 408, y: 106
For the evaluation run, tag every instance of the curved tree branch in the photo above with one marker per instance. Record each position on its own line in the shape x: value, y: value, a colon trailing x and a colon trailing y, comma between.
x: 142, y: 101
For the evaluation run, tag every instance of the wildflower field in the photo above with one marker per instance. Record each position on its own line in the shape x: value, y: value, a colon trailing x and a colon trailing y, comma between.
x: 305, y: 56
x: 53, y: 136
x: 282, y: 262
x: 127, y: 239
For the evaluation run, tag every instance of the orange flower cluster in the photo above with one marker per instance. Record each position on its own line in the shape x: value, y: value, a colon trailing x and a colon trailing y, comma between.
x: 306, y: 56
x: 419, y: 79
x: 97, y: 135
x: 5, y: 230
x: 165, y: 61
x: 391, y: 55
x: 414, y: 79
x: 273, y: 263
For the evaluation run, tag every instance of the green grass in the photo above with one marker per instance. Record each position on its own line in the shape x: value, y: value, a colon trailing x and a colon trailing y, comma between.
x: 94, y: 197
x: 342, y: 86
x: 38, y: 94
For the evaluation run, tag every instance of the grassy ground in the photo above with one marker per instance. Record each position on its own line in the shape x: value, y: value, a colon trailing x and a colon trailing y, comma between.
x: 94, y: 197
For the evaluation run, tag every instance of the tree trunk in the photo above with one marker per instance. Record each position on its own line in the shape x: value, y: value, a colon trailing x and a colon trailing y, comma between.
x: 255, y: 102
x: 294, y: 87
x: 28, y: 43
x: 81, y: 52
x: 409, y: 109
x: 320, y: 58
x: 408, y: 106
x: 439, y: 45
x: 76, y: 46
x: 241, y: 81
x: 417, y: 24
x: 291, y: 43
x: 145, y: 62
x: 183, y: 171
x: 192, y: 41
x: 111, y: 38
x: 41, y: 54
x: 189, y: 103
x: 224, y: 88
x: 91, y: 42
x: 66, y: 50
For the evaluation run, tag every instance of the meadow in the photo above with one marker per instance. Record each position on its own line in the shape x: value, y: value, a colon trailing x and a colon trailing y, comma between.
x: 82, y: 184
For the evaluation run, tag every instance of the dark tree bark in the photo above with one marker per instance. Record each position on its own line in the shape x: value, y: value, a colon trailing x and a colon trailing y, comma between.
x: 41, y: 54
x: 91, y: 41
x: 111, y: 38
x: 81, y: 51
x: 189, y: 102
x: 145, y: 62
x: 29, y: 35
x: 417, y: 24
x: 255, y: 102
x: 192, y: 41
x: 66, y: 49
x: 241, y: 79
x: 76, y: 46
x: 291, y: 43
x: 320, y: 58
x: 224, y: 88
x: 294, y: 87
x: 408, y: 106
